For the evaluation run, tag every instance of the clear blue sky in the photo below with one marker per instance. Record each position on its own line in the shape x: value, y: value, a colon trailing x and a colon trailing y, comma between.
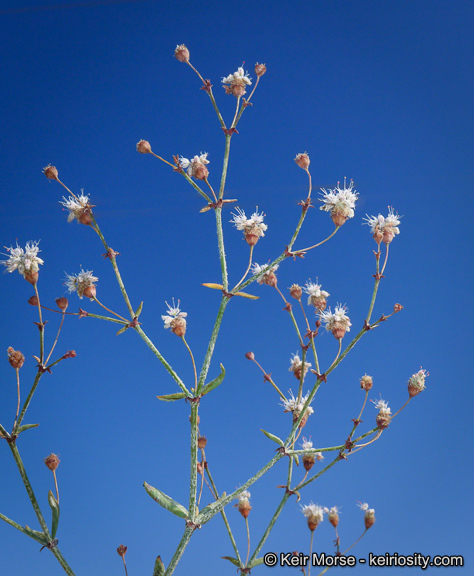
x: 380, y: 92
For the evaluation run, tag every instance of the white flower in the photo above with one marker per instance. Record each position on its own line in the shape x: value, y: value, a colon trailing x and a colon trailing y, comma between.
x: 25, y: 261
x: 252, y: 225
x: 306, y: 444
x: 319, y: 456
x: 196, y: 166
x: 292, y: 405
x: 235, y: 83
x: 267, y: 269
x: 416, y: 384
x: 313, y: 511
x: 316, y: 296
x: 337, y: 323
x: 79, y: 207
x: 382, y: 406
x: 245, y: 495
x: 363, y: 506
x: 384, y: 228
x: 173, y: 313
x: 81, y: 282
x: 296, y: 365
x: 339, y: 202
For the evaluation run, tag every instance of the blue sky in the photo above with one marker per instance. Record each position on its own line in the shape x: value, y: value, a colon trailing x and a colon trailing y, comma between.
x: 377, y: 92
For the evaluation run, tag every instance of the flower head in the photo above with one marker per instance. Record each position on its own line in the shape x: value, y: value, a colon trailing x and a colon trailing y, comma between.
x: 196, y: 167
x: 253, y: 227
x: 369, y: 516
x: 385, y: 414
x: 297, y: 365
x: 82, y: 283
x: 339, y: 202
x: 308, y: 458
x: 384, y: 228
x: 175, y: 319
x: 314, y: 514
x: 337, y: 323
x: 416, y: 384
x: 244, y: 504
x: 306, y: 444
x: 235, y: 83
x: 296, y: 406
x: 316, y: 296
x: 25, y: 261
x: 333, y: 515
x: 268, y: 277
x: 79, y: 208
x: 181, y: 53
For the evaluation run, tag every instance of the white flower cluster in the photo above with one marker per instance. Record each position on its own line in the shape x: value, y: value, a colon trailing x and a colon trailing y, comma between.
x: 235, y: 83
x: 266, y: 268
x: 25, y: 261
x: 340, y: 202
x: 173, y: 313
x: 295, y: 406
x: 297, y: 364
x: 382, y: 407
x: 336, y: 319
x: 80, y: 282
x: 196, y: 166
x: 76, y: 206
x: 241, y: 222
x: 315, y: 512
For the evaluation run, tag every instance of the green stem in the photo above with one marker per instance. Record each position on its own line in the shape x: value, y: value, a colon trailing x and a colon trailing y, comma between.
x: 192, y: 360
x: 196, y: 187
x: 28, y: 399
x: 41, y: 326
x: 225, y: 165
x: 376, y: 286
x: 270, y: 526
x: 194, y: 459
x: 220, y: 242
x: 188, y: 532
x: 98, y: 316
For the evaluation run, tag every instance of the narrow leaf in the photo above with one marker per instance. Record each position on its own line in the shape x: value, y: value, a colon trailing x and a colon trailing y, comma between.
x: 166, y: 501
x: 159, y: 569
x: 122, y: 330
x: 172, y: 397
x: 255, y: 562
x: 245, y: 295
x: 296, y: 459
x: 234, y: 561
x: 55, y: 510
x: 214, y: 383
x: 139, y: 310
x: 26, y: 427
x: 273, y: 437
x: 38, y: 536
x: 212, y: 285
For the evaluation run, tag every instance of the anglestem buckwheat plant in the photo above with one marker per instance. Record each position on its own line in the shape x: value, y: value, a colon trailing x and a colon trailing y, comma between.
x: 340, y: 203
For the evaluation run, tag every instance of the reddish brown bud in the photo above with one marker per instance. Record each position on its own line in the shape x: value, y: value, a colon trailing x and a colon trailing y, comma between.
x: 397, y: 308
x: 296, y: 291
x: 90, y: 291
x: 62, y: 303
x: 338, y: 331
x: 308, y: 461
x: 338, y: 218
x: 85, y: 217
x: 251, y: 238
x: 32, y: 277
x: 377, y: 235
x: 144, y: 147
x: 51, y: 172
x: 121, y: 551
x: 200, y: 172
x: 333, y: 518
x: 250, y: 356
x: 33, y: 301
x: 200, y: 468
x: 202, y: 441
x: 16, y: 358
x: 181, y: 53
x: 178, y: 326
x: 52, y: 462
x: 260, y: 69
x: 244, y: 507
x: 70, y: 354
x: 369, y: 519
x: 270, y: 279
x: 302, y: 160
x: 366, y: 382
x: 383, y: 420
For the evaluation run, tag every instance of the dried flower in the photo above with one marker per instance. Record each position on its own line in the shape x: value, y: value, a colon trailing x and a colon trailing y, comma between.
x: 202, y: 442
x: 122, y: 550
x: 337, y: 323
x: 314, y: 514
x: 297, y: 365
x: 369, y: 517
x: 235, y: 83
x: 416, y: 384
x: 52, y: 462
x: 51, y: 172
x: 25, y: 261
x: 62, y: 303
x: 385, y: 414
x: 244, y: 504
x: 175, y: 319
x: 79, y: 208
x: 339, y: 202
x: 383, y: 228
x: 302, y: 160
x: 181, y: 53
x: 253, y: 227
x: 316, y: 296
x: 16, y: 358
x: 144, y: 147
x: 196, y: 167
x: 296, y: 291
x: 333, y: 515
x: 366, y: 382
x: 250, y: 355
x: 260, y: 69
x: 308, y: 459
x: 82, y: 283
x: 268, y: 277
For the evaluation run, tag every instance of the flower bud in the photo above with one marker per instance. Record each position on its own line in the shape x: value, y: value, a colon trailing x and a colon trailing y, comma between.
x: 31, y: 277
x: 62, y: 303
x: 200, y: 172
x: 200, y: 468
x: 33, y: 300
x: 333, y: 516
x: 202, y: 441
x: 90, y: 291
x: 296, y: 291
x: 16, y: 358
x: 181, y: 53
x: 178, y: 326
x: 383, y: 420
x: 378, y: 235
x: 366, y: 382
x: 302, y: 160
x: 122, y: 550
x: 260, y: 69
x: 397, y: 308
x: 52, y: 462
x: 50, y: 172
x: 369, y: 518
x: 250, y: 356
x: 308, y: 461
x: 244, y: 504
x: 144, y: 147
x: 416, y: 384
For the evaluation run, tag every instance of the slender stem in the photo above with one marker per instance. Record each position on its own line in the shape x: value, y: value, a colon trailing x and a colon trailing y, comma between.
x: 313, y: 346
x: 28, y: 399
x: 196, y: 187
x: 319, y: 243
x: 384, y: 264
x: 269, y: 528
x: 310, y: 551
x: 192, y: 359
x: 41, y: 326
x: 194, y: 459
x: 248, y: 540
x: 124, y: 565
x: 19, y: 527
x: 236, y: 112
x: 376, y: 286
x: 337, y: 356
x: 18, y: 391
x: 211, y: 96
x: 225, y: 165
x: 99, y: 317
x: 212, y: 190
x: 109, y: 310
x: 220, y: 242
x: 156, y: 352
x: 56, y: 485
x: 320, y: 473
x: 188, y: 532
x: 246, y: 271
x: 398, y: 412
x: 310, y: 183
x: 56, y: 340
x: 166, y: 162
x: 248, y: 100
x: 360, y: 446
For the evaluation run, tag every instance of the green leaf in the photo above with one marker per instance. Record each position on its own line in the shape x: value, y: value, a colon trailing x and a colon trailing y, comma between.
x: 38, y: 536
x: 245, y: 295
x: 205, y: 514
x: 139, y: 310
x: 273, y: 437
x: 234, y: 561
x: 213, y: 384
x: 55, y: 509
x: 172, y: 397
x: 122, y: 330
x: 159, y: 569
x: 296, y: 459
x: 26, y: 427
x: 166, y: 501
x: 255, y: 562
